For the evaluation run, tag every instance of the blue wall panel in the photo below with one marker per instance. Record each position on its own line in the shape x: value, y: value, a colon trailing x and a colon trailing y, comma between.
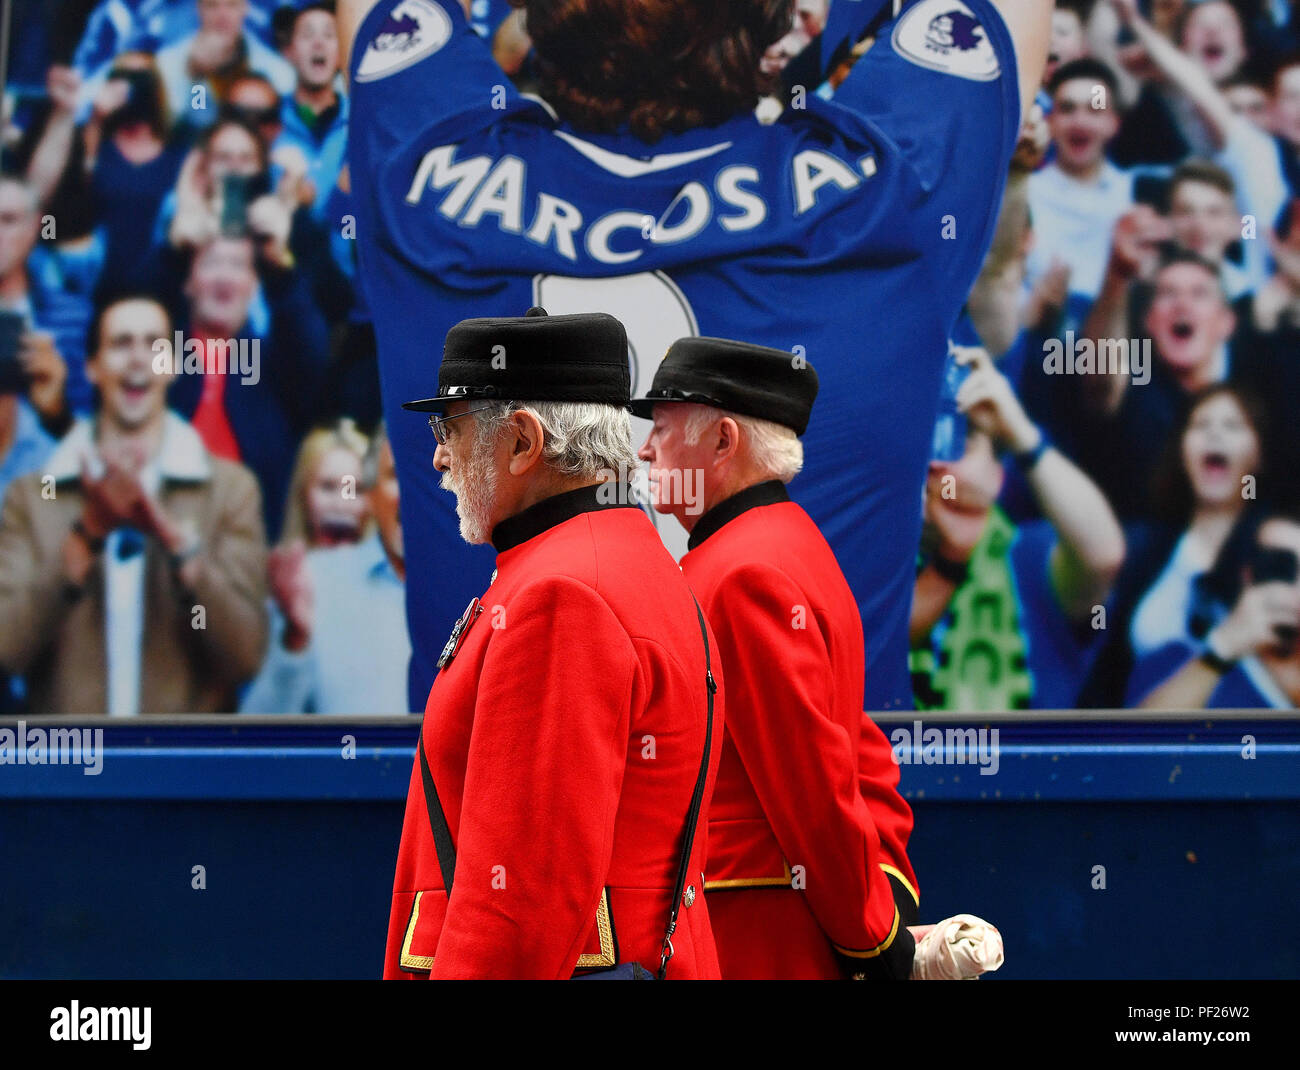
x: 1201, y: 849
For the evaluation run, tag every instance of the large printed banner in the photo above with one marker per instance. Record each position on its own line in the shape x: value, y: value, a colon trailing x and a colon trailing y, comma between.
x: 844, y: 232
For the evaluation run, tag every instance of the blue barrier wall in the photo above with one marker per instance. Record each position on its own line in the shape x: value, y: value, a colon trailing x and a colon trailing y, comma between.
x: 1200, y: 848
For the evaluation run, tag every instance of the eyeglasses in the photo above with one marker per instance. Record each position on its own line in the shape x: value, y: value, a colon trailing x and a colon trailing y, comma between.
x: 438, y: 423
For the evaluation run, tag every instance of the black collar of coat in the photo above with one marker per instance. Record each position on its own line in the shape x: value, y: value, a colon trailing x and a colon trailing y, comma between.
x: 557, y: 509
x: 769, y: 493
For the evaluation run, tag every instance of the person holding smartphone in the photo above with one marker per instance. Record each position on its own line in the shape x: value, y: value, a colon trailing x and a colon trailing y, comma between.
x: 227, y: 170
x: 197, y: 70
x: 1251, y: 658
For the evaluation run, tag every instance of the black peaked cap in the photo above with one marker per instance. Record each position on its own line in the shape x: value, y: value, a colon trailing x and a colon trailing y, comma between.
x: 534, y: 357
x: 740, y: 377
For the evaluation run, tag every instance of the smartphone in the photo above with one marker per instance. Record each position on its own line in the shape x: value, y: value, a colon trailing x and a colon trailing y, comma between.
x: 1273, y: 564
x: 237, y: 193
x: 1152, y: 190
x: 141, y: 94
x: 13, y: 380
x: 949, y: 438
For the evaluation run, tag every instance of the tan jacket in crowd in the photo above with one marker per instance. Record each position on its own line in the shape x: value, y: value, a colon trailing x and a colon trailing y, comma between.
x: 58, y: 643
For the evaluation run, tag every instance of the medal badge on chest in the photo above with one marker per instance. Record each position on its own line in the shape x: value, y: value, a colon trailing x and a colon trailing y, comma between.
x: 458, y: 632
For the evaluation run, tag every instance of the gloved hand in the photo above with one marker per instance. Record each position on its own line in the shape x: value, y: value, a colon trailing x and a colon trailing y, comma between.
x: 956, y: 949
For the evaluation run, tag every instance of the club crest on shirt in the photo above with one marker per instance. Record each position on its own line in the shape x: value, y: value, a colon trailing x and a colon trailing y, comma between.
x: 413, y: 30
x: 945, y: 35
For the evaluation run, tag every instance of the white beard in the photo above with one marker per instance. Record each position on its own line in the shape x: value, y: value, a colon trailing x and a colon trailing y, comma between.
x: 473, y: 480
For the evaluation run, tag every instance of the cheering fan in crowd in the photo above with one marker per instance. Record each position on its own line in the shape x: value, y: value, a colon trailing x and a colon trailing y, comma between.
x: 1188, y: 559
x: 315, y: 115
x: 324, y: 508
x: 198, y: 69
x: 1210, y: 488
x: 338, y: 620
x: 1251, y: 657
x: 1190, y: 326
x: 251, y: 410
x: 1050, y: 575
x: 101, y: 582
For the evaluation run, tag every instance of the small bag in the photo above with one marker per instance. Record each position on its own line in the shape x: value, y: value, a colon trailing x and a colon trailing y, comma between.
x: 623, y: 971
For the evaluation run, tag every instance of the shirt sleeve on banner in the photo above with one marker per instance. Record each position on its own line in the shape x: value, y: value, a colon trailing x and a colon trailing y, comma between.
x: 940, y: 81
x: 416, y: 64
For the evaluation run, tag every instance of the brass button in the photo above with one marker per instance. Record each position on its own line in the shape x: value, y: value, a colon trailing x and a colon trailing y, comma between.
x: 689, y: 897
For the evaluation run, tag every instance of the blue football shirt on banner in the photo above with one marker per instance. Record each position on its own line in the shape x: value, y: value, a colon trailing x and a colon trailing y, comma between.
x: 848, y: 232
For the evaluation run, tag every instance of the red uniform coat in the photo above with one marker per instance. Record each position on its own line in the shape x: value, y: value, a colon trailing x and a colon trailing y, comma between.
x: 797, y: 859
x: 878, y: 782
x: 564, y: 737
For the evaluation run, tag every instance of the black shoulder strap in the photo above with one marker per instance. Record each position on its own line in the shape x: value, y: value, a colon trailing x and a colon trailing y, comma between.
x: 697, y: 802
x: 447, y: 852
x: 437, y: 822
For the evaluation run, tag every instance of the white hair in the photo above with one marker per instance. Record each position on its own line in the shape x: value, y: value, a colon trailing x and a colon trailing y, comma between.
x: 580, y: 438
x: 774, y: 448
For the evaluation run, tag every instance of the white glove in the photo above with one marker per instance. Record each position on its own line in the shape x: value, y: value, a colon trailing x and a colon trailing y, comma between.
x: 957, y: 949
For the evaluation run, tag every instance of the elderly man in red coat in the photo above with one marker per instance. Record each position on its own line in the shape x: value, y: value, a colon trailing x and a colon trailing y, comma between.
x: 807, y: 832
x: 570, y: 738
